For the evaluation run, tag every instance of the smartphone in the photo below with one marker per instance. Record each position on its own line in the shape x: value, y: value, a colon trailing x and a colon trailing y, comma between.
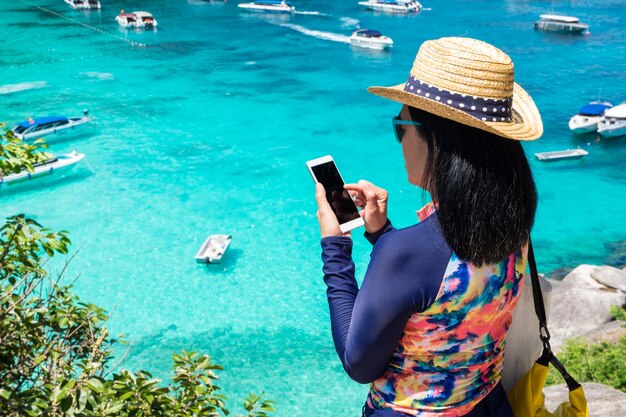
x: 324, y: 170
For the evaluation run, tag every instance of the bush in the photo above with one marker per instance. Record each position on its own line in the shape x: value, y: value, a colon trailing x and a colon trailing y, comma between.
x: 602, y: 362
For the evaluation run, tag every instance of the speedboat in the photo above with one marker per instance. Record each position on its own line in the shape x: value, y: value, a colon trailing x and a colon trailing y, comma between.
x: 84, y: 4
x: 51, y: 164
x: 33, y: 128
x: 213, y: 249
x: 558, y: 23
x: 393, y: 6
x: 128, y: 20
x: 614, y: 123
x: 145, y: 20
x: 370, y: 39
x: 586, y: 121
x: 268, y: 6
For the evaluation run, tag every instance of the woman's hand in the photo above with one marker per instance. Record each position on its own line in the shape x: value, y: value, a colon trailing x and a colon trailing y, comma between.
x: 373, y: 203
x: 329, y: 225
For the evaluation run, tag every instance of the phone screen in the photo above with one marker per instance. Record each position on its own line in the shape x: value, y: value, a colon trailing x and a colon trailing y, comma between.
x: 338, y: 198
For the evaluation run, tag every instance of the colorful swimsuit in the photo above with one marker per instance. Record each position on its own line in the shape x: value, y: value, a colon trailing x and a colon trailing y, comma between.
x: 426, y: 329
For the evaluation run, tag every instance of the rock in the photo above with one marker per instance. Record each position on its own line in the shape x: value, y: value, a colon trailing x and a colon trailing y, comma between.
x: 580, y: 304
x: 603, y: 401
x: 610, y: 332
x: 611, y: 277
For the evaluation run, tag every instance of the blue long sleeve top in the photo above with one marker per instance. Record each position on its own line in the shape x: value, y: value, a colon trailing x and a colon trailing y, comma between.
x: 403, y: 277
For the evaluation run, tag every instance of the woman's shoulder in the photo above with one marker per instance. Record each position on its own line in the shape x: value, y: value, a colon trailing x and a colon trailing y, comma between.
x: 423, y: 238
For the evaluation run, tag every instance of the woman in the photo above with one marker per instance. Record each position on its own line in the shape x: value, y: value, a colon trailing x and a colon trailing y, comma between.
x: 427, y: 326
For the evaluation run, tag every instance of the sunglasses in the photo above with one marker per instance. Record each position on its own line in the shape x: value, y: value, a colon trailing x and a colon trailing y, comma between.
x: 396, y: 121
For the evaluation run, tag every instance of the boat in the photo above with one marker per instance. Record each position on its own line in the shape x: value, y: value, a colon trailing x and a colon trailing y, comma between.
x: 268, y: 6
x: 84, y: 4
x: 51, y: 164
x: 128, y: 20
x: 614, y: 123
x: 33, y: 128
x: 558, y: 23
x: 560, y: 155
x: 588, y: 117
x: 146, y: 20
x: 213, y: 249
x: 372, y: 39
x: 392, y: 6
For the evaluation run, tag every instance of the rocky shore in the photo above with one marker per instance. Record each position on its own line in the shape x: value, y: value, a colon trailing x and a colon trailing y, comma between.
x: 579, y: 307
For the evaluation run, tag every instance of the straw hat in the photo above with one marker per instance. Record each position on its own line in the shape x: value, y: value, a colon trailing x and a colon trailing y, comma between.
x: 470, y: 82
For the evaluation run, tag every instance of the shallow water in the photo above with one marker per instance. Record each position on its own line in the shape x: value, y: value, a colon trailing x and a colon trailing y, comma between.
x: 206, y: 129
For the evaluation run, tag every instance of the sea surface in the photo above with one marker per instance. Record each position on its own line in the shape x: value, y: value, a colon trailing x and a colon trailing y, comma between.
x: 204, y: 126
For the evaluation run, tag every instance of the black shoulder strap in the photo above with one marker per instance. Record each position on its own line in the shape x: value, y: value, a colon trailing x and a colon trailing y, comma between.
x: 547, y: 356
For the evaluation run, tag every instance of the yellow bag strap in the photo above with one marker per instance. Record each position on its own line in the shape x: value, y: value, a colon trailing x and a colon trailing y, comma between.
x: 547, y: 357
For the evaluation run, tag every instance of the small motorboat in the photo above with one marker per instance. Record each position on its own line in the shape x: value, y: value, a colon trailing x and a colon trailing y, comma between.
x: 213, y: 249
x: 33, y: 128
x: 51, y: 164
x: 614, y: 122
x: 372, y: 39
x: 392, y: 6
x: 588, y: 117
x: 128, y: 20
x: 558, y: 23
x: 268, y: 6
x: 84, y: 4
x: 560, y: 155
x: 146, y: 20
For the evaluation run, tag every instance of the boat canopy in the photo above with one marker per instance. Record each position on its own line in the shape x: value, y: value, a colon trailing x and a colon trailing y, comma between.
x: 559, y: 18
x: 594, y: 109
x: 41, y: 120
x: 269, y: 2
x: 367, y: 33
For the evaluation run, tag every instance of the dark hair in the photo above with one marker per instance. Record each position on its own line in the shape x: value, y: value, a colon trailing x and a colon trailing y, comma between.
x: 483, y: 186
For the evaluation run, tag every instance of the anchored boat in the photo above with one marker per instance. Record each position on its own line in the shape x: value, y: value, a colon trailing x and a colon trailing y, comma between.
x: 268, y: 6
x: 213, y: 249
x: 50, y: 165
x: 558, y: 23
x: 588, y: 117
x: 560, y: 155
x: 614, y: 123
x: 392, y: 6
x: 42, y: 126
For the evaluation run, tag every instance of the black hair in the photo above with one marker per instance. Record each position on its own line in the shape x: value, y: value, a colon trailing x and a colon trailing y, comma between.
x: 483, y: 187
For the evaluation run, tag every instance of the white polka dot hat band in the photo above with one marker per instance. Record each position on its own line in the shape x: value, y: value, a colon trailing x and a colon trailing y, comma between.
x: 470, y: 82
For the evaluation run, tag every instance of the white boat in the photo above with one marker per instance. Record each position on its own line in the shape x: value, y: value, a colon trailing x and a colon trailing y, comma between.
x: 560, y: 155
x: 213, y: 249
x: 393, y: 6
x: 558, y: 23
x: 370, y: 39
x: 146, y: 20
x: 268, y: 6
x: 52, y: 164
x: 42, y: 126
x: 84, y: 4
x: 614, y: 123
x: 588, y: 117
x: 128, y: 20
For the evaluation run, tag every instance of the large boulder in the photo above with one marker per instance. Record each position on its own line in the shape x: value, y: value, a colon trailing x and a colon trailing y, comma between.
x: 603, y: 401
x: 580, y: 304
x: 610, y: 277
x: 610, y: 332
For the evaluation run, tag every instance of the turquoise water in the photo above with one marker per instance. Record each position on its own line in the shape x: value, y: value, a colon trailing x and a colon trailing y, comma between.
x: 204, y: 126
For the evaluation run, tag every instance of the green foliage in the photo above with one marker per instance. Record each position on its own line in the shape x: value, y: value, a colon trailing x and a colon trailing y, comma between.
x: 16, y: 155
x: 618, y: 313
x: 55, y: 351
x: 602, y: 362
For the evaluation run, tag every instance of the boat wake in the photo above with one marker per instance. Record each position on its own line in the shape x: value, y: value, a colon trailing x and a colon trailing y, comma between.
x: 312, y: 13
x: 327, y: 36
x: 348, y: 22
x: 98, y: 75
x: 14, y: 88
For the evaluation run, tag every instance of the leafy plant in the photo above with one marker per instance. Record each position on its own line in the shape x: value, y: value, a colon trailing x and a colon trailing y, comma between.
x: 16, y: 155
x: 617, y: 312
x: 55, y: 352
x: 602, y: 362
